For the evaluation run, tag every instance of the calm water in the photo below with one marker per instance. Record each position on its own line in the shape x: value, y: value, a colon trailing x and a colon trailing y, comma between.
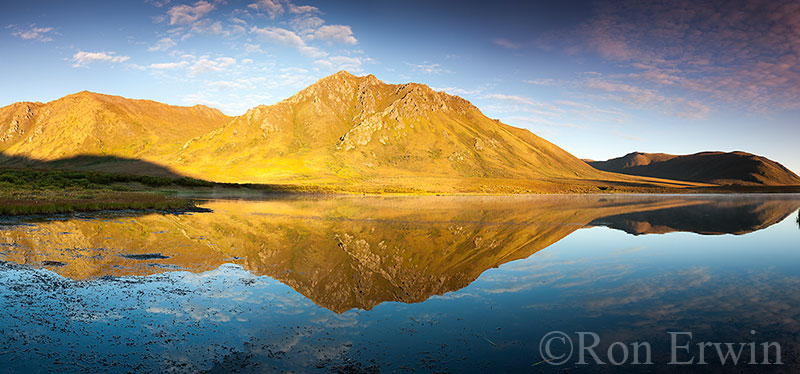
x: 428, y: 284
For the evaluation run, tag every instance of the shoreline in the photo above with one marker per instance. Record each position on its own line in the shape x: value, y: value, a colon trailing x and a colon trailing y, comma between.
x: 42, y: 192
x: 180, y: 200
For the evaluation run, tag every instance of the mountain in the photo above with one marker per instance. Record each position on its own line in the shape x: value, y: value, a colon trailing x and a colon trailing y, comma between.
x: 341, y: 133
x: 734, y: 168
x: 91, y: 124
x: 359, y: 130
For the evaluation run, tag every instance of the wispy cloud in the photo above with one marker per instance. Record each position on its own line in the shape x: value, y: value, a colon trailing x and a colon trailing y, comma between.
x: 205, y: 65
x: 428, y: 68
x: 279, y: 35
x: 744, y: 52
x: 32, y: 32
x: 186, y: 14
x: 352, y: 64
x: 289, y: 38
x: 274, y: 8
x: 458, y: 91
x: 163, y: 44
x: 542, y: 82
x: 168, y: 65
x: 505, y: 43
x: 335, y: 33
x: 647, y: 98
x: 512, y: 98
x: 83, y: 59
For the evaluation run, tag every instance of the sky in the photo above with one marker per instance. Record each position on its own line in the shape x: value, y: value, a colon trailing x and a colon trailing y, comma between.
x: 597, y: 78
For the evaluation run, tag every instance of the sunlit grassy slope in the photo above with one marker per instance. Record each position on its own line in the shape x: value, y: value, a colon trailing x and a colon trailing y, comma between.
x: 358, y: 132
x: 93, y: 124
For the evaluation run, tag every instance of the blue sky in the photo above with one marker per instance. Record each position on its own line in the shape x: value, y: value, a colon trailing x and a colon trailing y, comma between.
x: 598, y: 78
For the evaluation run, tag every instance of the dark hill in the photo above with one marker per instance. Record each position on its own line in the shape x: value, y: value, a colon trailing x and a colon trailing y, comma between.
x: 734, y: 168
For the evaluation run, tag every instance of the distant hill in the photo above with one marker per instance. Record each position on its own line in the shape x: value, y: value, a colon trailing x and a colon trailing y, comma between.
x: 733, y: 168
x: 91, y: 124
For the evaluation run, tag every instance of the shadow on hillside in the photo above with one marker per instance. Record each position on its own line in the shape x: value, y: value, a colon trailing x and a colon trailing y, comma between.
x: 137, y: 168
x: 103, y: 164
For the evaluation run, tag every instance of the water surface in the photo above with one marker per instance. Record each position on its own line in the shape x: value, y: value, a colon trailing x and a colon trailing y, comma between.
x: 404, y: 284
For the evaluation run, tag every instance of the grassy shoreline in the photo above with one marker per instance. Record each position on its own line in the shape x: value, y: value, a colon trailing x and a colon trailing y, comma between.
x: 24, y: 192
x: 72, y: 201
x: 33, y: 191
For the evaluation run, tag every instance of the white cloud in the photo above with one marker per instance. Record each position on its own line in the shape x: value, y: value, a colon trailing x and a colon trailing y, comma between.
x: 340, y: 63
x: 226, y: 61
x: 272, y: 7
x: 286, y: 37
x: 252, y: 48
x: 186, y: 14
x: 205, y: 66
x: 542, y: 82
x: 82, y: 58
x: 169, y: 65
x: 514, y: 99
x: 336, y: 33
x: 41, y: 34
x: 162, y: 45
x: 279, y: 35
x: 458, y: 91
x: 226, y: 85
x: 306, y: 24
x: 313, y: 52
x: 157, y: 4
x: 428, y: 68
x: 301, y: 9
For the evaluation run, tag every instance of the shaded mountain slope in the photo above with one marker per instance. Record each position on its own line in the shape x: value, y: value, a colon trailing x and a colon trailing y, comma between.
x: 734, y: 168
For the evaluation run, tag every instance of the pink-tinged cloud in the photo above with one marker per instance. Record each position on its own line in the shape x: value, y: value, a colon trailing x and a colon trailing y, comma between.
x: 745, y: 52
x: 641, y: 97
x: 42, y: 34
x: 186, y: 14
x: 505, y: 43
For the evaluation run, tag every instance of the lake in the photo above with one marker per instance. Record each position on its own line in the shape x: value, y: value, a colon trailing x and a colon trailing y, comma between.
x: 605, y: 283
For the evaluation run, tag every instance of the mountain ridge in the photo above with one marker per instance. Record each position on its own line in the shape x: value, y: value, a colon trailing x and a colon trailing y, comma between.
x: 88, y: 123
x: 722, y: 168
x: 345, y: 127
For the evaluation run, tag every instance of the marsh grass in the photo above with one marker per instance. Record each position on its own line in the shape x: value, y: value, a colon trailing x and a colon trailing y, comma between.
x: 44, y: 179
x: 25, y: 192
x: 51, y: 202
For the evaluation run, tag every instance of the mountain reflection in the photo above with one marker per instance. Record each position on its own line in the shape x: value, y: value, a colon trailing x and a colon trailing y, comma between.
x: 346, y: 252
